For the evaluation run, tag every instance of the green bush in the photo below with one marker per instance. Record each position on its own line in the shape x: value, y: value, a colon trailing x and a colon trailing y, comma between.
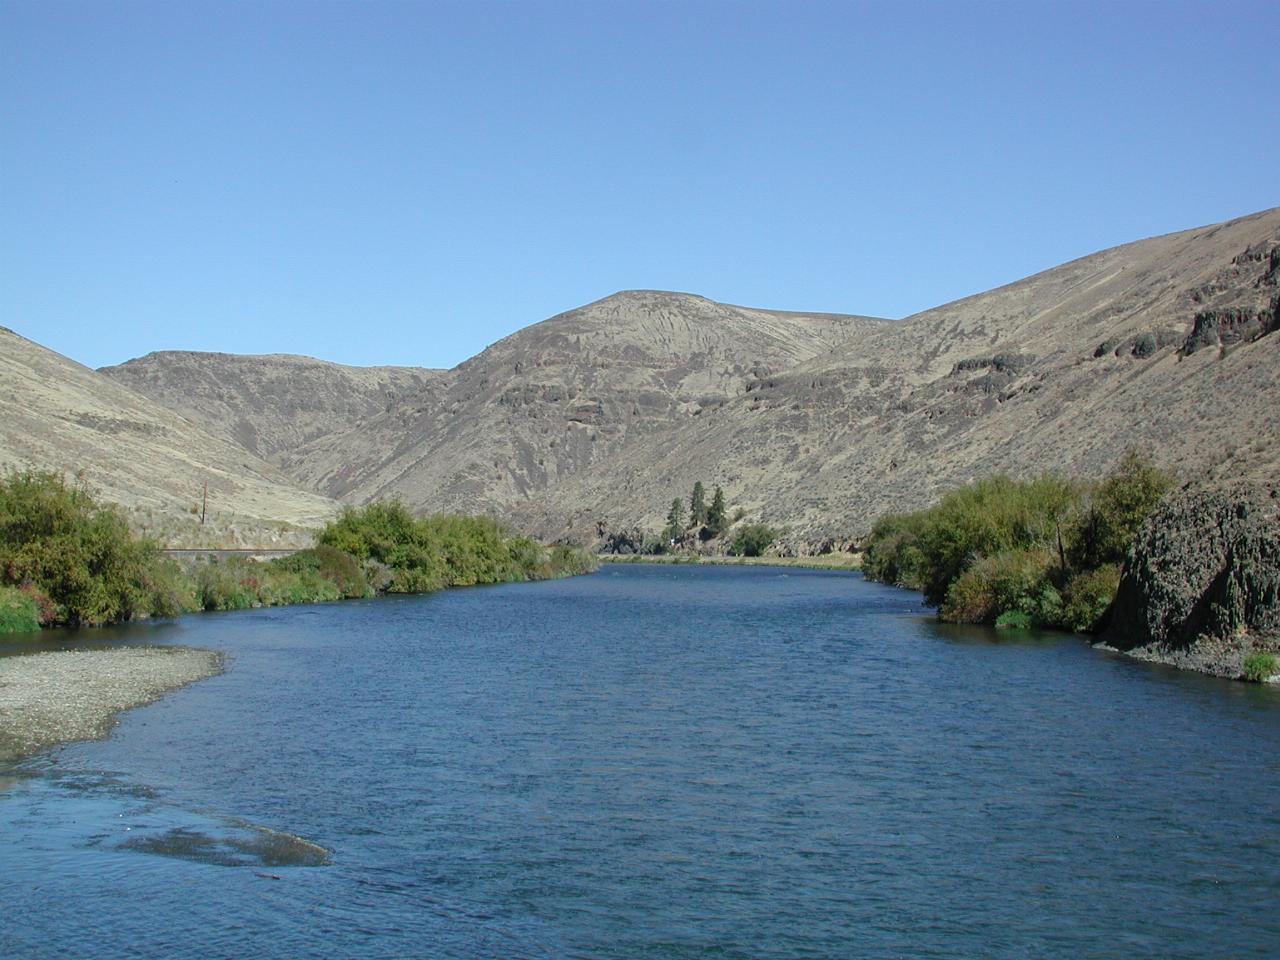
x: 340, y: 569
x: 1088, y: 598
x: 238, y: 583
x: 1013, y: 581
x: 1103, y: 532
x: 1259, y: 667
x: 990, y: 517
x: 752, y: 540
x: 567, y: 561
x: 81, y: 554
x: 892, y: 552
x: 229, y: 584
x: 65, y: 559
x: 18, y: 612
x: 1014, y: 620
x: 1048, y: 548
x: 411, y: 555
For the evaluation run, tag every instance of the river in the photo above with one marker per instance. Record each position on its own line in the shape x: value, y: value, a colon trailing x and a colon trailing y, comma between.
x: 652, y: 762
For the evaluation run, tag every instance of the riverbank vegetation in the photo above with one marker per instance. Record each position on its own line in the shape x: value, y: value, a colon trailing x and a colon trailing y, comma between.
x: 1020, y: 553
x: 68, y: 560
x: 698, y: 529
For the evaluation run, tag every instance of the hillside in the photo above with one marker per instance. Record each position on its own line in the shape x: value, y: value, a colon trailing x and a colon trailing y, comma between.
x: 56, y: 414
x: 593, y: 420
x: 271, y: 405
x: 1162, y: 343
x: 560, y: 397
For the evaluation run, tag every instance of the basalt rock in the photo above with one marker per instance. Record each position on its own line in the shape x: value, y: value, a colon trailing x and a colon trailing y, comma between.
x: 1201, y: 587
x: 1234, y: 325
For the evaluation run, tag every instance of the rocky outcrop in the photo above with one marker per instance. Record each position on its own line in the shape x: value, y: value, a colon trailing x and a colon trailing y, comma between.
x: 1221, y: 328
x: 1201, y: 588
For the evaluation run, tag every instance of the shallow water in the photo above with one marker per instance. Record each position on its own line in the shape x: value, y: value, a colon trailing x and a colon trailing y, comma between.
x: 653, y: 762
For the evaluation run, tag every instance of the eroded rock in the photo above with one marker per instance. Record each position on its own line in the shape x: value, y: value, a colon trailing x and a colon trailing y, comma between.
x: 1201, y: 587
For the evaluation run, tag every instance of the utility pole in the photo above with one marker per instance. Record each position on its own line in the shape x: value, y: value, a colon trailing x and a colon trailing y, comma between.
x: 204, y: 502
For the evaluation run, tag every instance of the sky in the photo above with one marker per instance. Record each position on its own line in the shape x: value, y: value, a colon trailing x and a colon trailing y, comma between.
x: 407, y: 182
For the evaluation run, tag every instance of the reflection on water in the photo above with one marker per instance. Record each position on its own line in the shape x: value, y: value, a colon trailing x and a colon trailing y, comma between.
x: 653, y: 762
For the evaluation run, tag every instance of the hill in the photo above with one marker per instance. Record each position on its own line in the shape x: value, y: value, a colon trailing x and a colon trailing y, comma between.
x: 270, y: 405
x: 1168, y: 344
x: 562, y: 396
x: 58, y: 415
x: 592, y: 420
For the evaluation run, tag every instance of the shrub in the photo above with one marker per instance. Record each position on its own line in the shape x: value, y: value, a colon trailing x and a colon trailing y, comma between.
x: 1259, y: 667
x: 340, y: 569
x: 567, y: 561
x: 752, y: 539
x: 1088, y: 598
x: 226, y: 585
x: 1000, y: 546
x: 404, y: 554
x: 1013, y: 581
x: 892, y: 552
x: 987, y: 518
x: 46, y: 609
x: 1104, y: 531
x: 1014, y: 620
x: 81, y: 554
x: 18, y: 612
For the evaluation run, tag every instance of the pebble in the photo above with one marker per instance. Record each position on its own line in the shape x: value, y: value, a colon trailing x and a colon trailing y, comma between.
x: 61, y: 696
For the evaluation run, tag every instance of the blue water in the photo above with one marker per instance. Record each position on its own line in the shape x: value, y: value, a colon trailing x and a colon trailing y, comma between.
x: 653, y: 762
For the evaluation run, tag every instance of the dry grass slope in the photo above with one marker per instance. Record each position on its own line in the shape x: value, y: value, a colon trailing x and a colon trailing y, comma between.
x: 268, y: 404
x: 58, y: 415
x: 1156, y: 344
x: 594, y: 419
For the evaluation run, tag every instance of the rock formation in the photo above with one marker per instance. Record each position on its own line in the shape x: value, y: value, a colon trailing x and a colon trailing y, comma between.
x: 1201, y: 587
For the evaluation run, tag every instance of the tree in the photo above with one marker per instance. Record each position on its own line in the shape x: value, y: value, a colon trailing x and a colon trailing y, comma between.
x: 1104, y: 532
x: 752, y: 540
x: 59, y: 542
x: 675, y: 520
x: 698, y: 506
x: 716, y: 514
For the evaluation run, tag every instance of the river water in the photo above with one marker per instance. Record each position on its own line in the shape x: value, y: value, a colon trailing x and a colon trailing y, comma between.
x: 653, y: 762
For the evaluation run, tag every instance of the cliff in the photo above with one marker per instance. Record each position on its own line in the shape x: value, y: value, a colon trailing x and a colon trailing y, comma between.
x: 1201, y: 588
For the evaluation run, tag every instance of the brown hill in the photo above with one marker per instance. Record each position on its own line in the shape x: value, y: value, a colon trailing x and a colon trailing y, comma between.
x: 594, y: 419
x: 58, y: 415
x: 1167, y: 343
x: 273, y: 404
x: 557, y: 398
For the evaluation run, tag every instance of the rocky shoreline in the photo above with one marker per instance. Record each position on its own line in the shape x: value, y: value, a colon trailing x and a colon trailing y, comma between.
x: 1201, y: 588
x: 62, y: 696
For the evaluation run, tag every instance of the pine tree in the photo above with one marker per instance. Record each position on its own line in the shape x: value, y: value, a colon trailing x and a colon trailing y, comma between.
x: 716, y: 514
x: 698, y: 506
x: 675, y: 521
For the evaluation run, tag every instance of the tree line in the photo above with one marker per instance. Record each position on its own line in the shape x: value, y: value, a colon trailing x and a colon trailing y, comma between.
x: 67, y: 559
x: 1041, y: 552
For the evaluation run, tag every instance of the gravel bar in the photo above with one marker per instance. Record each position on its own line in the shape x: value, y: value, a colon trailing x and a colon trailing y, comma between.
x: 60, y: 696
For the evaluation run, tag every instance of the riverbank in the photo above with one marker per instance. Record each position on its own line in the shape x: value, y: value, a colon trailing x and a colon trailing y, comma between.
x: 823, y: 561
x: 62, y: 696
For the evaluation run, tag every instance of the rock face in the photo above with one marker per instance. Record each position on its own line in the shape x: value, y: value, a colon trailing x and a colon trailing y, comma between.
x: 1202, y: 584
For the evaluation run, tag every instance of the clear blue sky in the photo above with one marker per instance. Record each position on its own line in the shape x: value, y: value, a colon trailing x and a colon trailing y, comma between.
x: 406, y: 182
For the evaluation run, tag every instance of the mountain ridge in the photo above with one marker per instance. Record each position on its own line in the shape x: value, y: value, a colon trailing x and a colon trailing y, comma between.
x: 593, y: 419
